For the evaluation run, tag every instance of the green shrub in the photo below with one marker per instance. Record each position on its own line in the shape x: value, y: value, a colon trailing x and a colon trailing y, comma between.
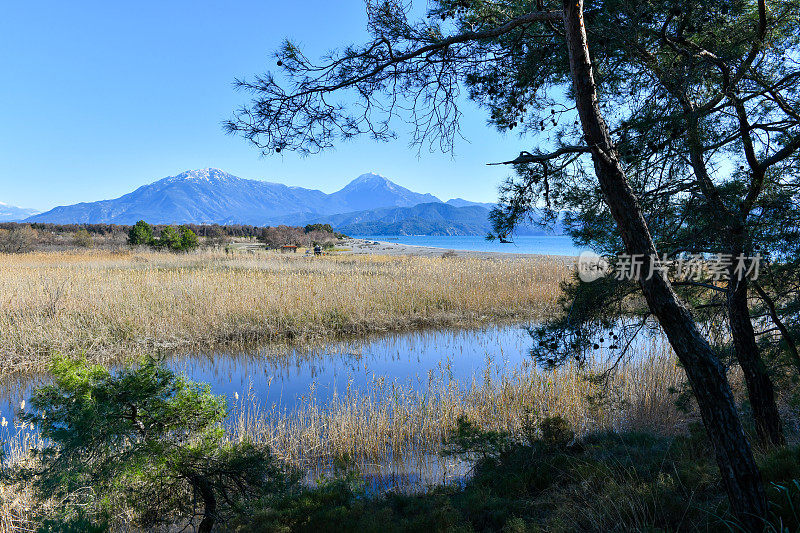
x: 72, y: 519
x: 83, y: 239
x: 141, y: 234
x: 784, y: 506
x: 556, y: 431
x: 170, y: 238
x: 144, y: 438
x: 188, y: 240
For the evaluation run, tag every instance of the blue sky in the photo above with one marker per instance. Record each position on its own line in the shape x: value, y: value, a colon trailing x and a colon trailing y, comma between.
x: 99, y: 98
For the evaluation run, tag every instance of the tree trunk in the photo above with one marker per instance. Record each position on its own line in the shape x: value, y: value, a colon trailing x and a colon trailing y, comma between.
x: 759, y: 385
x: 209, y: 504
x: 791, y: 345
x: 740, y: 475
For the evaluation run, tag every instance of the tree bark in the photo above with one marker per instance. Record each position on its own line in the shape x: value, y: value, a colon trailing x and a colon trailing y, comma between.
x: 791, y: 345
x: 740, y: 475
x: 759, y: 384
x: 209, y: 504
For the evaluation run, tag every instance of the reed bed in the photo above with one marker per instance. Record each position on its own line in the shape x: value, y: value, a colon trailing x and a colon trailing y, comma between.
x: 111, y: 305
x: 17, y: 501
x: 392, y: 433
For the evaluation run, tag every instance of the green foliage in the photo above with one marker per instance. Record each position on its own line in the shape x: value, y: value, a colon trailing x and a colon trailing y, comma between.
x: 71, y: 519
x: 784, y: 506
x: 781, y: 468
x: 83, y: 239
x: 327, y: 228
x: 469, y: 441
x: 189, y: 240
x: 607, y: 482
x: 170, y: 238
x: 144, y: 437
x: 181, y: 239
x: 141, y: 233
x: 556, y: 431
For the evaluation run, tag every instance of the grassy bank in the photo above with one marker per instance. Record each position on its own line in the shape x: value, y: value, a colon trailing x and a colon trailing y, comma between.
x: 112, y: 305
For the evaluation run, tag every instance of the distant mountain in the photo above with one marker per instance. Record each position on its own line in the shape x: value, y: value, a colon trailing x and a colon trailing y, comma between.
x: 460, y: 202
x: 198, y: 196
x: 370, y: 204
x: 213, y: 196
x: 434, y: 218
x: 371, y: 191
x: 10, y: 213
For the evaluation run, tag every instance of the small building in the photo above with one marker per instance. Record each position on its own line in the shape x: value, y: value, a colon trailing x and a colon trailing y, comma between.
x: 286, y: 248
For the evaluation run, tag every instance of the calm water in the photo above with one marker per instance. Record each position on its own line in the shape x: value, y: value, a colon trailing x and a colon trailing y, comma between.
x: 285, y: 378
x: 547, y: 245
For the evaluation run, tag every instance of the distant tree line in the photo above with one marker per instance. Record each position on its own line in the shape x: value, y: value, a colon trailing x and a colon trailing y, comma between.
x: 25, y: 237
x: 201, y: 230
x: 310, y: 235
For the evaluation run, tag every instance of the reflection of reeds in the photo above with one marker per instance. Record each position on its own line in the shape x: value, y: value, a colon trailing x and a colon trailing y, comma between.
x: 392, y: 432
x: 109, y: 305
x: 16, y: 500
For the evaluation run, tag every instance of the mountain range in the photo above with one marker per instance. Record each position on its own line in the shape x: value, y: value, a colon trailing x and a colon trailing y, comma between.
x: 370, y: 204
x: 10, y: 213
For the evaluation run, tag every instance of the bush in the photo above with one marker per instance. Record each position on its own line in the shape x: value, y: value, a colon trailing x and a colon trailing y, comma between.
x: 325, y: 228
x: 82, y: 239
x: 141, y: 234
x: 144, y: 438
x: 19, y: 240
x: 170, y: 238
x: 188, y: 240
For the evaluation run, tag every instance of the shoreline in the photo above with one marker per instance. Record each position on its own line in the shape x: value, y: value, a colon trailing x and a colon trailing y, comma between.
x: 370, y: 247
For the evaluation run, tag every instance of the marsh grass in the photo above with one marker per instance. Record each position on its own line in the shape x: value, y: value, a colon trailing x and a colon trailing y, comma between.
x: 17, y: 501
x: 391, y: 433
x: 120, y: 305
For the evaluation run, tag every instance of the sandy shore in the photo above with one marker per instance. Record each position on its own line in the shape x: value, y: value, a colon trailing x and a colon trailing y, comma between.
x: 363, y: 247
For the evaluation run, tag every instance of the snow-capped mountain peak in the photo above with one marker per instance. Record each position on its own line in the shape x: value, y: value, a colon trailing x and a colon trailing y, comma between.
x: 211, y: 195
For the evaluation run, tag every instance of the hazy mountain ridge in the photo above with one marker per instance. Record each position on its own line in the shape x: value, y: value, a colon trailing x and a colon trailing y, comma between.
x: 423, y: 219
x: 460, y: 202
x: 12, y: 213
x: 370, y: 204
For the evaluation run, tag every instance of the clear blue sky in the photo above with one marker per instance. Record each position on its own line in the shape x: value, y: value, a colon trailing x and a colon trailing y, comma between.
x: 98, y: 98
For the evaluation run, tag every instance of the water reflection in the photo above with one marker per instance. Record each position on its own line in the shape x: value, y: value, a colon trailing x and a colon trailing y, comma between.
x: 285, y: 378
x: 302, y: 402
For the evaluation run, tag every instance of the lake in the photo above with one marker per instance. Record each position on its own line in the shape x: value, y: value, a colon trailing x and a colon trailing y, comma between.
x: 283, y: 377
x: 368, y: 397
x: 545, y: 244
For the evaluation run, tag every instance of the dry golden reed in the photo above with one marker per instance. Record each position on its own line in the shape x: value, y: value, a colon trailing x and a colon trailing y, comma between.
x: 392, y: 433
x: 111, y: 305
